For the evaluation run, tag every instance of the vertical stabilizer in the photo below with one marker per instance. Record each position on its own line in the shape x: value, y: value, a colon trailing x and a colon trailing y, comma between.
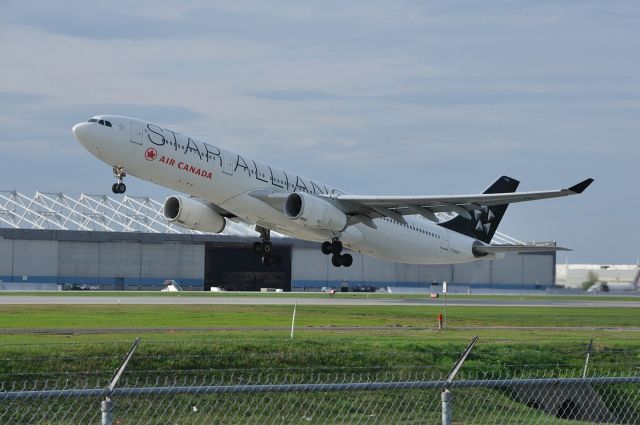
x: 484, y: 221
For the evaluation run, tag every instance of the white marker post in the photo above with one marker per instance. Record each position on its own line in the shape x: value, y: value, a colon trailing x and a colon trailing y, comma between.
x: 444, y: 291
x: 293, y: 319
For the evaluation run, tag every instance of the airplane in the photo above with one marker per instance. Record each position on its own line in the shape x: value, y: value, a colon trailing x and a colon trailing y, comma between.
x: 224, y: 185
x: 617, y: 286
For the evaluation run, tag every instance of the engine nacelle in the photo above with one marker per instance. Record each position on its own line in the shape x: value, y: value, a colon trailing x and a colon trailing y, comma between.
x: 314, y: 212
x: 477, y: 253
x: 192, y: 214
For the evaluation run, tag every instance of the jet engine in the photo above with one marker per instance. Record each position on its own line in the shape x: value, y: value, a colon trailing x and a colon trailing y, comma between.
x: 314, y: 212
x: 192, y: 214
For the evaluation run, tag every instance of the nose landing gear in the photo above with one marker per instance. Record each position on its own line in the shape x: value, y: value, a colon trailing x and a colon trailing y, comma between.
x: 119, y: 186
x: 335, y: 248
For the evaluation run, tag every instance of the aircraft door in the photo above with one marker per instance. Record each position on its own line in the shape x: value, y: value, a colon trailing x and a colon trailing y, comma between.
x: 228, y: 163
x: 136, y: 133
x: 124, y: 130
x: 444, y: 240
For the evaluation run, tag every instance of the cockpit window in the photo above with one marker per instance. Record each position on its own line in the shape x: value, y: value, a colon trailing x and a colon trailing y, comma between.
x: 101, y: 122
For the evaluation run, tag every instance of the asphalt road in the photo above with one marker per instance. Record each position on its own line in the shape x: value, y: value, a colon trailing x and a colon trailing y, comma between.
x: 177, y: 300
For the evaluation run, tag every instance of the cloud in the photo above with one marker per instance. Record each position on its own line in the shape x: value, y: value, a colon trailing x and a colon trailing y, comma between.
x: 43, y: 131
x: 111, y: 21
x: 18, y: 98
x: 471, y: 96
x: 156, y: 113
x: 98, y: 21
x: 12, y: 101
x: 294, y: 95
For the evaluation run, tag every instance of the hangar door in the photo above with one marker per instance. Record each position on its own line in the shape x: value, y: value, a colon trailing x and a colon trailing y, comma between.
x: 238, y: 268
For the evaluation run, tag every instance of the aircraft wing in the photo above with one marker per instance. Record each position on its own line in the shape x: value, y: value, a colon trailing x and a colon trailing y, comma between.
x: 275, y: 199
x: 396, y: 206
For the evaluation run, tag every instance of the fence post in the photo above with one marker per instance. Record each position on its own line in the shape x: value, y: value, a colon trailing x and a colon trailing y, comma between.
x: 447, y: 407
x: 107, y: 405
x: 123, y: 365
x: 586, y: 360
x: 293, y: 319
x: 447, y: 397
x: 107, y: 412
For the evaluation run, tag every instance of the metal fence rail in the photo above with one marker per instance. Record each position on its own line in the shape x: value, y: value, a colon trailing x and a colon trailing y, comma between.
x: 300, y: 388
x: 480, y: 401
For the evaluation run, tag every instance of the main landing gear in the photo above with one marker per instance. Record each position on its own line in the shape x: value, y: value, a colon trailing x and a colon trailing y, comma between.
x: 335, y: 249
x: 265, y: 248
x: 119, y: 187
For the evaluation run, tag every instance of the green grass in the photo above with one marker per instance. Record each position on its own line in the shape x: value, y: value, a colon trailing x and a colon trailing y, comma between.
x: 82, y: 329
x: 250, y: 343
x: 251, y: 316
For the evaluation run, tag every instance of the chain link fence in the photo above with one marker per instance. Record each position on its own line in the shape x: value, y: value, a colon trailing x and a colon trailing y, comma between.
x: 252, y: 387
x: 338, y: 399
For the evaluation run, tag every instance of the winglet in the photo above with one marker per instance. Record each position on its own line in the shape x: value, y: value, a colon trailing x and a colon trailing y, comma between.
x: 580, y: 187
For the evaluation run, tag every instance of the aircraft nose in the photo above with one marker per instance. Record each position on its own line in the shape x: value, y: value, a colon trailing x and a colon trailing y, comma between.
x: 81, y: 131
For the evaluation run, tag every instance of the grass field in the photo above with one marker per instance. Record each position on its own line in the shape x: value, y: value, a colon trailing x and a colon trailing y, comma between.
x: 83, y: 344
x: 362, y: 326
x: 250, y: 316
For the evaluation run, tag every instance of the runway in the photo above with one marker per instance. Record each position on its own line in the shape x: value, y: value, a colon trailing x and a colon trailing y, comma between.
x: 289, y: 300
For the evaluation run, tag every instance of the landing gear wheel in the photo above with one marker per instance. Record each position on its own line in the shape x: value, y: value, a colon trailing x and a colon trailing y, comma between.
x: 336, y: 260
x: 264, y: 246
x: 119, y: 187
x: 347, y: 260
x: 326, y: 248
x: 336, y: 247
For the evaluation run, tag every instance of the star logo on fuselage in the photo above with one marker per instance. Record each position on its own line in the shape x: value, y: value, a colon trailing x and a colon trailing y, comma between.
x: 150, y: 154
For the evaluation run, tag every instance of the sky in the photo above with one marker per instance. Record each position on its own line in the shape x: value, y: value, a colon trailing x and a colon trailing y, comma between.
x: 373, y: 97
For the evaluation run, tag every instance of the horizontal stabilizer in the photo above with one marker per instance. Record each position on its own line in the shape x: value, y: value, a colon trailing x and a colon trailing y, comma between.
x: 505, y: 249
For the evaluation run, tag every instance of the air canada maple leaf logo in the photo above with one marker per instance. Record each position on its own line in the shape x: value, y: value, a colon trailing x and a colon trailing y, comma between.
x: 150, y: 154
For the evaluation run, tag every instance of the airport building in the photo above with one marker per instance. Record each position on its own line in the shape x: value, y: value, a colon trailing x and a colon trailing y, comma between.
x: 579, y: 275
x: 53, y: 240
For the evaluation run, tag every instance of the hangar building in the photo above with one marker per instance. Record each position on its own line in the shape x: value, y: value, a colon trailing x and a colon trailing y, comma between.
x: 127, y: 245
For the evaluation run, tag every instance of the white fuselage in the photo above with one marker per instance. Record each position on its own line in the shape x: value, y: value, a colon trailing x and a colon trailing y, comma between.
x: 227, y: 179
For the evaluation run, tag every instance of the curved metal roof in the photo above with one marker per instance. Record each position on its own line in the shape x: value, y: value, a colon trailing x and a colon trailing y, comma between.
x: 59, y: 211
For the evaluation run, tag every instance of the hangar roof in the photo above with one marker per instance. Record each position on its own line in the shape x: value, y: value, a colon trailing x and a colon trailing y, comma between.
x: 121, y: 214
x: 60, y: 211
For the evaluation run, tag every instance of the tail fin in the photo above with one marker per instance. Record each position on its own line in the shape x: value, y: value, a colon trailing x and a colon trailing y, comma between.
x: 484, y: 221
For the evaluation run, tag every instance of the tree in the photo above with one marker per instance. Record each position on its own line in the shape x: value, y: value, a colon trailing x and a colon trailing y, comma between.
x: 592, y: 279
